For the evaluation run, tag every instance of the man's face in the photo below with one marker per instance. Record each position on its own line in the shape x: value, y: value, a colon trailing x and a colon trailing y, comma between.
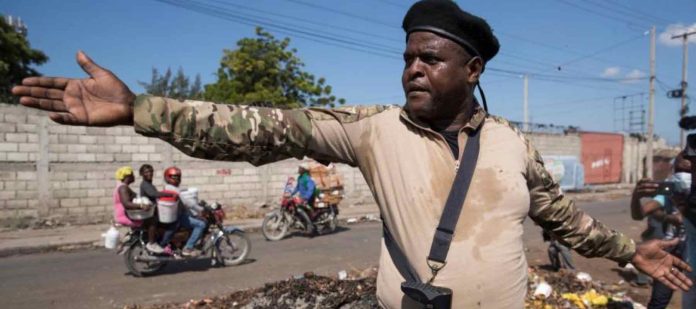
x: 147, y: 175
x: 175, y: 180
x: 436, y: 78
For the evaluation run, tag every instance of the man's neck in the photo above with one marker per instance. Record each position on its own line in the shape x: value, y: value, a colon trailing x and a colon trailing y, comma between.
x: 454, y: 124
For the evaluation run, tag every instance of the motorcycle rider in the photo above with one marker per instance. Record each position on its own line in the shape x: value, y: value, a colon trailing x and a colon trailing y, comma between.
x: 305, y: 187
x: 123, y: 197
x: 190, y: 216
x: 148, y: 190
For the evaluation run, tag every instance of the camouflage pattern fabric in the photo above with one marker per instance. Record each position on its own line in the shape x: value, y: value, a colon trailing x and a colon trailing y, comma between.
x: 263, y: 135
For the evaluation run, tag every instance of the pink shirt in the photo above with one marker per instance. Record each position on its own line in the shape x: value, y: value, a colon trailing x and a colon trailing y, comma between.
x: 120, y: 211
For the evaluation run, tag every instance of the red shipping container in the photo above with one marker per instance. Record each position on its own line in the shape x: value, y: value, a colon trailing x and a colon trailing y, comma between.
x: 602, y: 156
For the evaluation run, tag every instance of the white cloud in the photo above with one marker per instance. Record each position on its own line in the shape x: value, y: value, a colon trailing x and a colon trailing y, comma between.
x: 675, y: 29
x: 611, y: 72
x: 634, y: 76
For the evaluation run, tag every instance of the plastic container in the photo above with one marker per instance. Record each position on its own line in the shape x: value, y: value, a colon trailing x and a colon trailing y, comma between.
x: 139, y: 214
x: 167, y: 209
x: 189, y: 197
x: 543, y: 290
x: 111, y: 238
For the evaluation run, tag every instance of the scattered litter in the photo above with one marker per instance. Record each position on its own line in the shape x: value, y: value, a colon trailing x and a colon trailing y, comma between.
x: 342, y: 275
x: 584, y: 277
x: 568, y: 289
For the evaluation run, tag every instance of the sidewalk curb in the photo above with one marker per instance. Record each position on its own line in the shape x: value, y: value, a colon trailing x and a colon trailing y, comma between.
x: 47, y: 248
x: 248, y: 227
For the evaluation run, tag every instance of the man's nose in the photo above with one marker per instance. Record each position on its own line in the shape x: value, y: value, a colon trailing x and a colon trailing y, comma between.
x: 414, y: 69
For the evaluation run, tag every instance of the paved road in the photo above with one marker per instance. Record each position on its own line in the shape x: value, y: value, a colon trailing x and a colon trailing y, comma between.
x: 99, y: 279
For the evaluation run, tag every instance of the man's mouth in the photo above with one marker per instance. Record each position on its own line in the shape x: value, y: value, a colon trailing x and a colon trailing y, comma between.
x: 415, y: 89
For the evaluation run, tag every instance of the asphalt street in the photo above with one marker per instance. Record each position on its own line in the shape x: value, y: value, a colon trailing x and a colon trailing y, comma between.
x: 98, y: 278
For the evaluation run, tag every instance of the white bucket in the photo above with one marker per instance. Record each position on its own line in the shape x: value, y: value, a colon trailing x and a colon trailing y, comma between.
x: 167, y: 211
x: 111, y: 238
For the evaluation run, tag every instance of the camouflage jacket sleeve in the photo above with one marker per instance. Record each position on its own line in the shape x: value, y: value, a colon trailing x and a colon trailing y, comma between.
x: 225, y: 132
x: 572, y: 226
x: 254, y: 134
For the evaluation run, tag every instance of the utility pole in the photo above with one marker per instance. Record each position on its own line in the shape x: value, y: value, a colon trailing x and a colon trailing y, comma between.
x: 525, y: 126
x: 651, y: 106
x: 685, y: 40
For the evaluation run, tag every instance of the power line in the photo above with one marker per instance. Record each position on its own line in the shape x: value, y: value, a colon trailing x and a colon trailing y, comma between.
x: 608, y: 48
x: 221, y: 12
x: 323, y: 25
x: 356, y: 45
x: 599, y: 13
x: 378, y: 22
x: 339, y: 12
x: 628, y: 10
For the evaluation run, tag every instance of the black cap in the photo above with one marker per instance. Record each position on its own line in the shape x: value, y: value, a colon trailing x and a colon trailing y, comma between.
x: 445, y: 18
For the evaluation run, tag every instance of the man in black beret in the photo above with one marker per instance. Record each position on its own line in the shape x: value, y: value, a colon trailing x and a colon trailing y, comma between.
x: 410, y: 158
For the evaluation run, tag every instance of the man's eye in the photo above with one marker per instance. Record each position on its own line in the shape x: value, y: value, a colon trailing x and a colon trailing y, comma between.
x: 430, y: 59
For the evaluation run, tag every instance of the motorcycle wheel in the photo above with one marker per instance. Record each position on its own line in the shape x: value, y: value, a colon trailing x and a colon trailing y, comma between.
x: 328, y: 227
x: 140, y: 268
x: 275, y: 226
x: 233, y: 248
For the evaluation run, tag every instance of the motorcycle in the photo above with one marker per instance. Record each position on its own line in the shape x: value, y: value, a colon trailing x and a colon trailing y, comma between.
x: 292, y: 214
x: 224, y: 245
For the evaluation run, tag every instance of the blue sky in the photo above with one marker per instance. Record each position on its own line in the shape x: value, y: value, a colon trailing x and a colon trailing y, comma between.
x: 592, y: 41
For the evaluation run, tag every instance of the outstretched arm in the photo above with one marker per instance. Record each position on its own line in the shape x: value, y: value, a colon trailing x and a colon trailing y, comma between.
x: 200, y: 129
x: 589, y: 237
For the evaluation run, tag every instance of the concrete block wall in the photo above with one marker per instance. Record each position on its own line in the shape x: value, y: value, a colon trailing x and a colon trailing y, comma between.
x: 53, y: 171
x: 556, y: 144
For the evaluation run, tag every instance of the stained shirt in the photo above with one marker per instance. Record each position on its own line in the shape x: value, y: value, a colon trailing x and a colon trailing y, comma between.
x: 409, y: 169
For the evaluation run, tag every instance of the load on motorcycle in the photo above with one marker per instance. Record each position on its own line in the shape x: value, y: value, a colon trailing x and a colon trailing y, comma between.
x: 188, y: 228
x: 312, y: 206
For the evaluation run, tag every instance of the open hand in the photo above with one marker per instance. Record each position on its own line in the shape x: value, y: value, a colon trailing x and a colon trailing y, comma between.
x: 652, y: 259
x: 100, y: 100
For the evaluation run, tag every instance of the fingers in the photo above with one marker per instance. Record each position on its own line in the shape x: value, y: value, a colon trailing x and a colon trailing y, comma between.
x: 49, y: 82
x: 666, y: 280
x: 89, y: 66
x: 677, y: 262
x: 38, y: 92
x: 668, y: 244
x: 64, y: 118
x: 675, y: 282
x: 44, y: 104
x: 685, y: 282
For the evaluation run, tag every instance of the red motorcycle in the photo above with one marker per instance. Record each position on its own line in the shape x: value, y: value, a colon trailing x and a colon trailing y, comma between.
x: 224, y: 245
x: 293, y: 214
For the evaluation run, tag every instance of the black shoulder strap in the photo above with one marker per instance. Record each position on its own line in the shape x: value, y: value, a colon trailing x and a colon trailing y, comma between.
x: 449, y: 217
x: 455, y: 200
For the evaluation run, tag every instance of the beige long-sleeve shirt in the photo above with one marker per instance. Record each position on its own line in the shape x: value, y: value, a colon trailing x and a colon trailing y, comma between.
x: 409, y: 169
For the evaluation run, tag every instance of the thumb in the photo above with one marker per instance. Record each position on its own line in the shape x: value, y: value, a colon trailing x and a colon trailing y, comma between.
x: 89, y: 66
x: 667, y: 244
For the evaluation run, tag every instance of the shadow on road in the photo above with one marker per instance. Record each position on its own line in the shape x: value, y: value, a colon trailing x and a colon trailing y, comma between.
x: 197, y: 265
x: 301, y: 234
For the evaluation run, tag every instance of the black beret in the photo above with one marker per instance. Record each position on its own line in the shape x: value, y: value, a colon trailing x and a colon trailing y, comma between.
x: 445, y: 18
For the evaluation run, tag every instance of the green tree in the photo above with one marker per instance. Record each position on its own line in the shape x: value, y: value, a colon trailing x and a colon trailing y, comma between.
x: 16, y: 60
x: 264, y: 70
x: 177, y: 87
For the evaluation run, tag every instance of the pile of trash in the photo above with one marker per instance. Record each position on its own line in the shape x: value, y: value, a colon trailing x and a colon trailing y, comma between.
x: 355, y: 289
x: 570, y: 289
x: 303, y: 291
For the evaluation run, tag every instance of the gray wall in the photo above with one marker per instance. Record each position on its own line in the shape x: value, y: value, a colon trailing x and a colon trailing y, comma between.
x: 53, y: 171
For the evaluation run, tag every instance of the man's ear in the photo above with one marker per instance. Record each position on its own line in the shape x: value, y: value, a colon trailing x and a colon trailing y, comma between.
x: 474, y: 67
